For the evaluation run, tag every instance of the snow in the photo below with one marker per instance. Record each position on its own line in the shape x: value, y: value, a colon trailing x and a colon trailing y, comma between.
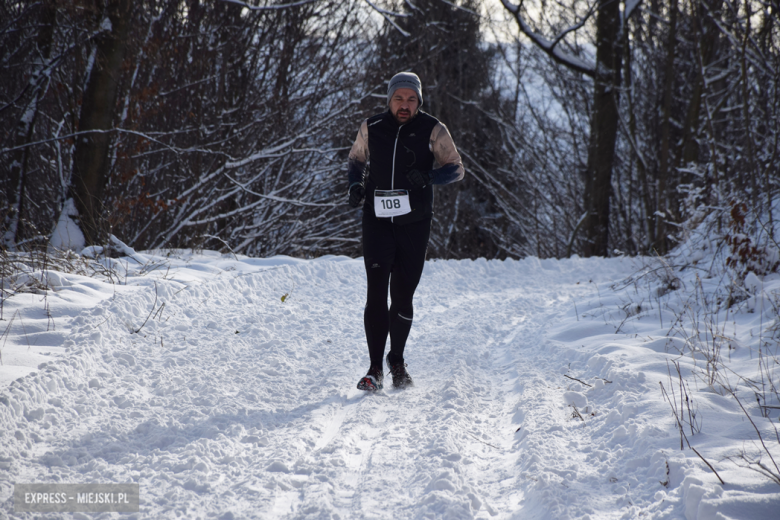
x: 629, y: 8
x: 105, y: 25
x: 67, y: 235
x: 191, y: 376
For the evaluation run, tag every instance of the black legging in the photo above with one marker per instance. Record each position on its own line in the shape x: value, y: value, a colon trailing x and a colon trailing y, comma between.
x: 395, y: 254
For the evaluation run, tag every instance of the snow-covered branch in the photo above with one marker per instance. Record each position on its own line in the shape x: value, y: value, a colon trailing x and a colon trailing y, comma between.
x: 552, y: 47
x: 387, y: 16
x: 269, y: 7
x: 461, y: 8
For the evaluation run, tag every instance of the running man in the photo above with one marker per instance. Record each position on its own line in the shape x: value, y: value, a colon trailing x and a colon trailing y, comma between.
x: 408, y: 152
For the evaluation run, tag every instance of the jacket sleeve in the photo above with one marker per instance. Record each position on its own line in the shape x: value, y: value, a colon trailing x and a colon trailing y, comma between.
x: 358, y: 157
x: 448, y: 166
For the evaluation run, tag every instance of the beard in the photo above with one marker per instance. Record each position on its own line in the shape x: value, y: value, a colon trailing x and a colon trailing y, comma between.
x: 404, y: 116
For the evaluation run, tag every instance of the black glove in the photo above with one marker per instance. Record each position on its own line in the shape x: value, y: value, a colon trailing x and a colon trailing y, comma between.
x: 356, y: 194
x: 419, y: 179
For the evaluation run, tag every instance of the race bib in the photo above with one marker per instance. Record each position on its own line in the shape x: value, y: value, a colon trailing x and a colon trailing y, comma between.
x: 391, y: 203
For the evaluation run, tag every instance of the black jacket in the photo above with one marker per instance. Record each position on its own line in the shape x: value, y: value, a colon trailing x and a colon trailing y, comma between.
x: 394, y: 151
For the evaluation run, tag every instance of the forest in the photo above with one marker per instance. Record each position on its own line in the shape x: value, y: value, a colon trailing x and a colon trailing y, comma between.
x: 588, y: 127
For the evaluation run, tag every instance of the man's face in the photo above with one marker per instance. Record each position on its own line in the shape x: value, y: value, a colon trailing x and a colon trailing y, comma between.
x: 404, y: 105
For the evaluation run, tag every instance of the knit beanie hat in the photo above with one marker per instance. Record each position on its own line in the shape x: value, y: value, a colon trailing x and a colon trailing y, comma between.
x: 404, y: 80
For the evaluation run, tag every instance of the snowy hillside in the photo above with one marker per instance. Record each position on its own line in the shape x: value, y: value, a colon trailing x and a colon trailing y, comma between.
x: 536, y: 394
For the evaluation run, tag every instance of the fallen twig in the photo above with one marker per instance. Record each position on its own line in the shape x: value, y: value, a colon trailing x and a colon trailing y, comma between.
x: 483, y: 442
x: 579, y: 380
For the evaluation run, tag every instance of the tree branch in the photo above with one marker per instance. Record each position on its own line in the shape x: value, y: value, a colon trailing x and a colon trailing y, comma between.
x: 269, y: 7
x: 386, y: 15
x: 551, y: 48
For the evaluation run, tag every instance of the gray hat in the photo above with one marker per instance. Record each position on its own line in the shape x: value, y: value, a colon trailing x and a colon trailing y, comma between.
x: 405, y: 80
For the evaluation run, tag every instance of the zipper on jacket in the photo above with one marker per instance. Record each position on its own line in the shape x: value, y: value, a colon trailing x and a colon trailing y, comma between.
x: 392, y: 174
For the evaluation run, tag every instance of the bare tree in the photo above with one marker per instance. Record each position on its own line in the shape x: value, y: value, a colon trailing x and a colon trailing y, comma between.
x: 606, y: 74
x: 198, y: 122
x: 33, y: 41
x: 91, y: 153
x: 226, y: 123
x: 236, y: 139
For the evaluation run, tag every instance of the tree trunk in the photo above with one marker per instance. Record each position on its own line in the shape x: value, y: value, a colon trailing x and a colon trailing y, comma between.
x: 707, y: 33
x: 19, y: 164
x: 603, y: 128
x: 662, y: 206
x: 90, y: 159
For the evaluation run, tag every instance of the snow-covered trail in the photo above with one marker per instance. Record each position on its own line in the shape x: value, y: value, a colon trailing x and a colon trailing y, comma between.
x: 231, y: 403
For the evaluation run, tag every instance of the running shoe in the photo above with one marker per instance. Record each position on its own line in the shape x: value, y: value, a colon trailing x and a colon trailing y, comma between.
x: 372, y: 381
x: 401, y: 378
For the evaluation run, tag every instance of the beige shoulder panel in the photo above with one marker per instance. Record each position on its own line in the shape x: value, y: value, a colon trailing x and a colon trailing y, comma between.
x: 359, y: 151
x: 443, y: 147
